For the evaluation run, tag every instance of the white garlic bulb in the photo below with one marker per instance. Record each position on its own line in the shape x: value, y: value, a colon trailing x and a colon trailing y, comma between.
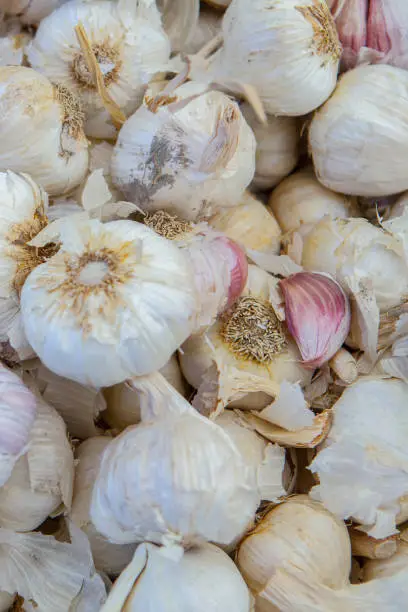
x: 108, y: 557
x: 204, y: 579
x: 30, y: 11
x: 190, y: 155
x: 129, y: 45
x: 287, y: 49
x: 41, y: 129
x: 360, y: 149
x: 276, y: 147
x: 203, y: 490
x: 42, y: 478
x: 116, y: 301
x: 300, y: 199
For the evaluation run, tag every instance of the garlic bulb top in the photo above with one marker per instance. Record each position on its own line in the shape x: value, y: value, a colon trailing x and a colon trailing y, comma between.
x: 41, y: 129
x: 189, y: 153
x: 287, y: 49
x: 360, y: 149
x: 114, y: 302
x: 30, y: 11
x: 129, y: 45
x: 181, y: 465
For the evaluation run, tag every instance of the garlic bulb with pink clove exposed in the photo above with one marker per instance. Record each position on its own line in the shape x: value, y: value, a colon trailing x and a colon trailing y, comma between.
x: 317, y: 315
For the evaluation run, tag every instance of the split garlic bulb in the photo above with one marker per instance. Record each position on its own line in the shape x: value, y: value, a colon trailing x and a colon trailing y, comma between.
x: 203, y: 490
x: 360, y: 149
x: 129, y: 45
x: 41, y: 128
x: 128, y: 302
x: 276, y: 147
x: 189, y: 157
x: 204, y: 579
x: 362, y: 469
x: 108, y: 557
x: 300, y: 199
x: 287, y: 49
x: 42, y: 478
x: 30, y: 11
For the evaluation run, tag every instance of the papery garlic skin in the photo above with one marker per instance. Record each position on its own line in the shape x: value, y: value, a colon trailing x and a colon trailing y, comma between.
x: 31, y: 11
x: 300, y: 199
x: 128, y: 302
x: 362, y: 468
x: 180, y: 20
x: 109, y: 558
x: 288, y: 51
x: 359, y: 149
x: 207, y: 28
x: 276, y: 147
x: 129, y: 44
x: 42, y: 479
x: 189, y: 161
x: 203, y: 579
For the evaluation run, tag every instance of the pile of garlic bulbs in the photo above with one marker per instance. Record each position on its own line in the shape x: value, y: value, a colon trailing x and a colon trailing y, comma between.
x: 203, y: 306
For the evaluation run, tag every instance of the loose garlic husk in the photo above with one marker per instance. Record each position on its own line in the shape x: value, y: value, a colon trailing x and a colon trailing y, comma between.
x: 276, y: 147
x: 180, y: 20
x: 41, y: 128
x: 287, y: 50
x: 30, y: 11
x: 202, y: 491
x: 42, y: 478
x: 204, y: 578
x: 190, y: 153
x: 116, y: 301
x: 129, y: 45
x: 360, y: 150
x: 362, y: 468
x: 207, y: 28
x: 108, y: 557
x: 123, y: 404
x: 300, y: 200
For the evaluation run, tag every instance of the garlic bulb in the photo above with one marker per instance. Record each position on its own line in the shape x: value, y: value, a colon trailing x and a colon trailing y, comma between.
x: 250, y: 224
x: 276, y: 147
x: 123, y: 404
x: 30, y: 11
x: 203, y: 579
x: 207, y: 28
x: 42, y: 478
x: 18, y: 409
x: 41, y: 128
x: 129, y: 45
x: 287, y: 49
x: 202, y: 491
x: 359, y: 150
x: 362, y: 468
x: 128, y: 301
x: 180, y: 20
x: 189, y: 153
x: 300, y: 199
x: 109, y: 558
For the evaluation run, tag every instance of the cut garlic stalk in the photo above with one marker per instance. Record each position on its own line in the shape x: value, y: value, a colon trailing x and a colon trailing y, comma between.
x: 344, y: 366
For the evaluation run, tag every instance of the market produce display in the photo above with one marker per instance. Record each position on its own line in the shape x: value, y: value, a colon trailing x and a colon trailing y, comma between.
x: 203, y: 306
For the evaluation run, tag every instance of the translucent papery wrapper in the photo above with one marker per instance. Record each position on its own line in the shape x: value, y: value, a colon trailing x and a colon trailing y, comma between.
x: 180, y: 18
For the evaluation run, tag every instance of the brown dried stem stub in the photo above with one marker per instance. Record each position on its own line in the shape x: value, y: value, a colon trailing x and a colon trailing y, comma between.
x: 73, y: 116
x: 167, y: 225
x: 253, y: 331
x: 325, y: 38
x: 107, y: 57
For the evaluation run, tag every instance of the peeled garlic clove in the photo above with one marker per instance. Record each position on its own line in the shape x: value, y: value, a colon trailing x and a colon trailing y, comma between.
x: 300, y: 199
x: 126, y: 59
x: 30, y: 11
x: 287, y: 50
x: 202, y: 491
x: 108, y: 557
x: 203, y: 579
x: 361, y: 151
x: 191, y: 155
x: 42, y: 479
x: 317, y: 315
x: 128, y: 303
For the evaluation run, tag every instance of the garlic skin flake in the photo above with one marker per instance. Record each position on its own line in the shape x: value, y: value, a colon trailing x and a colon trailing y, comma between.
x: 360, y: 149
x: 202, y: 491
x: 288, y: 50
x: 190, y: 155
x: 362, y: 468
x: 129, y: 44
x: 203, y: 579
x: 116, y: 301
x: 41, y: 127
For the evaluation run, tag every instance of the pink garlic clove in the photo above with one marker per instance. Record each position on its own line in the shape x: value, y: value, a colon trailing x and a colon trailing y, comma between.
x: 238, y: 269
x: 317, y: 315
x: 350, y: 17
